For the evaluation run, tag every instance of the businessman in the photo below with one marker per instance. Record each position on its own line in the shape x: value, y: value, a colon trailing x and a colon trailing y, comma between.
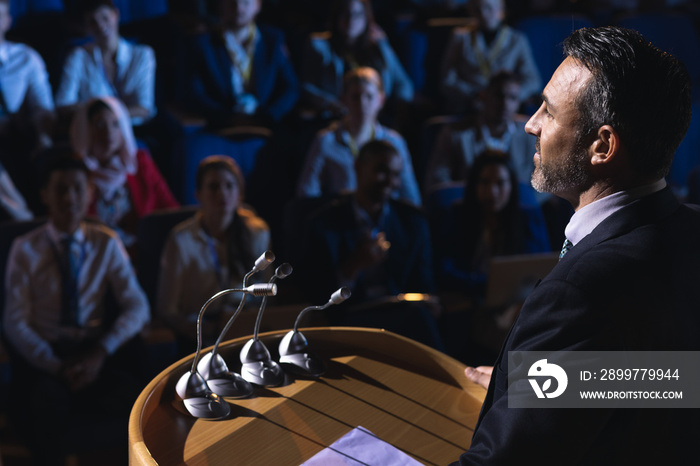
x: 611, y: 119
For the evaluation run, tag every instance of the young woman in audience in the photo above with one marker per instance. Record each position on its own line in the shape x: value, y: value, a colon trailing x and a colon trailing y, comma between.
x: 209, y: 252
x: 354, y: 40
x: 127, y: 183
x: 489, y: 221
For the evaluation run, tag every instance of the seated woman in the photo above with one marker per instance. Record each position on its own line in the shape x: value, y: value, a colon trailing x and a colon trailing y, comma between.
x: 209, y: 252
x: 489, y: 221
x: 354, y: 40
x: 127, y: 183
x: 328, y: 169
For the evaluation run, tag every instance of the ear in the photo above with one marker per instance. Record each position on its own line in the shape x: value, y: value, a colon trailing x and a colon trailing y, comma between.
x: 606, y: 146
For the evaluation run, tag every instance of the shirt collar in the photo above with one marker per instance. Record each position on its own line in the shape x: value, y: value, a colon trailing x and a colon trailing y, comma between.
x: 56, y: 236
x: 589, y: 217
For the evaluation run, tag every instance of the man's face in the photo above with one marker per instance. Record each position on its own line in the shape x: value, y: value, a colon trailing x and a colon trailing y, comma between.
x: 5, y: 18
x: 239, y: 13
x: 66, y: 196
x: 364, y: 100
x: 379, y: 177
x: 501, y: 103
x: 103, y: 23
x: 219, y: 194
x: 561, y: 161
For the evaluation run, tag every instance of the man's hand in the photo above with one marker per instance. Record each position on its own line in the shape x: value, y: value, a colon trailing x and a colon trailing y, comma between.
x: 83, y: 371
x: 479, y: 375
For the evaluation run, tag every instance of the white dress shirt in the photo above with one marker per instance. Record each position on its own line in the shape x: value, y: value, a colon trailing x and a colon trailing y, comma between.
x: 83, y: 77
x: 33, y: 290
x: 23, y: 78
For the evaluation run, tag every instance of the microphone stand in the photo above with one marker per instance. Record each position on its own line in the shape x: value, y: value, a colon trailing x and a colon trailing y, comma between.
x: 258, y: 367
x: 199, y: 400
x: 212, y: 366
x: 293, y: 348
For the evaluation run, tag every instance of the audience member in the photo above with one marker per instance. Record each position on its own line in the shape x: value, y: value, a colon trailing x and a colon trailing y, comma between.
x: 214, y: 249
x: 72, y: 307
x: 127, y: 183
x: 473, y: 55
x: 489, y: 221
x: 108, y: 66
x: 26, y: 106
x: 354, y: 40
x: 376, y: 246
x: 496, y: 127
x: 240, y: 72
x: 328, y: 168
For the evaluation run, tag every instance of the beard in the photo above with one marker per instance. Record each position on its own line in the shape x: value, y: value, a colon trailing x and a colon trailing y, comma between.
x: 570, y: 174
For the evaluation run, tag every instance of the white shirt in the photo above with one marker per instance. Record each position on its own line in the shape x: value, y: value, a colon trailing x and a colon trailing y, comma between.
x: 588, y: 217
x: 188, y: 272
x: 23, y: 78
x: 33, y: 290
x: 83, y: 77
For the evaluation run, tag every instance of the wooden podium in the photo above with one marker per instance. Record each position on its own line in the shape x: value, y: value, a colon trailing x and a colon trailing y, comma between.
x: 409, y: 395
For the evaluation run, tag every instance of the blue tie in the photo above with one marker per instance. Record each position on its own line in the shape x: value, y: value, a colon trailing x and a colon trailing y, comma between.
x: 69, y: 276
x: 565, y: 248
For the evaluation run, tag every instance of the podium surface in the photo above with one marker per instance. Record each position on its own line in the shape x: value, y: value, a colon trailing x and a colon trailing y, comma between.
x: 407, y: 394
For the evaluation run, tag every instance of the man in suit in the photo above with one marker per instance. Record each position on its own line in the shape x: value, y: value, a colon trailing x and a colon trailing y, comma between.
x: 241, y: 72
x: 612, y: 116
x: 377, y: 246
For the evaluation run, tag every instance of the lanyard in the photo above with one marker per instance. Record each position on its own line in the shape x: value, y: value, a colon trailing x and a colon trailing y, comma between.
x: 479, y: 45
x: 218, y: 269
x: 353, y: 144
x: 244, y: 64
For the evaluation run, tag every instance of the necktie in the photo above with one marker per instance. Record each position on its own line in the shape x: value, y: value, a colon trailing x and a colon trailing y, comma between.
x: 69, y: 277
x: 565, y: 248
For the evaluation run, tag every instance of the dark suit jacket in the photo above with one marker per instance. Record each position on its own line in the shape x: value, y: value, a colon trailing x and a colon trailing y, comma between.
x: 209, y: 88
x: 633, y: 284
x: 333, y: 236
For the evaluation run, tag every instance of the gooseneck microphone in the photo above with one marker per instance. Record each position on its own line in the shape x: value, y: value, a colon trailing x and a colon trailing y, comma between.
x: 212, y: 366
x: 199, y: 400
x: 257, y: 366
x: 294, y: 346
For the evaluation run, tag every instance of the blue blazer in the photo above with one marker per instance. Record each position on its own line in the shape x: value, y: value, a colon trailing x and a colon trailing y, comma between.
x: 633, y: 284
x: 209, y: 90
x: 333, y: 236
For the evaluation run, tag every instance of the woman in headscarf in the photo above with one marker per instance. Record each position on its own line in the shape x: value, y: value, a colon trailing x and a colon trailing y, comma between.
x: 127, y: 182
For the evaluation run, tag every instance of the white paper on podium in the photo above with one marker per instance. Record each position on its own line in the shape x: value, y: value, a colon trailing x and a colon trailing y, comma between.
x: 360, y: 446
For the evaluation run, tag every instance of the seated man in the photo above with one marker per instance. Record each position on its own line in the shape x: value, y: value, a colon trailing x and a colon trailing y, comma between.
x: 109, y: 66
x: 376, y: 246
x: 240, y: 73
x: 497, y: 127
x: 69, y: 342
x: 328, y: 169
x: 473, y: 55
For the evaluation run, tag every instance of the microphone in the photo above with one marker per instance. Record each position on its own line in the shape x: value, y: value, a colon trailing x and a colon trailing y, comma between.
x: 199, y: 400
x: 293, y: 347
x: 212, y: 366
x: 258, y: 367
